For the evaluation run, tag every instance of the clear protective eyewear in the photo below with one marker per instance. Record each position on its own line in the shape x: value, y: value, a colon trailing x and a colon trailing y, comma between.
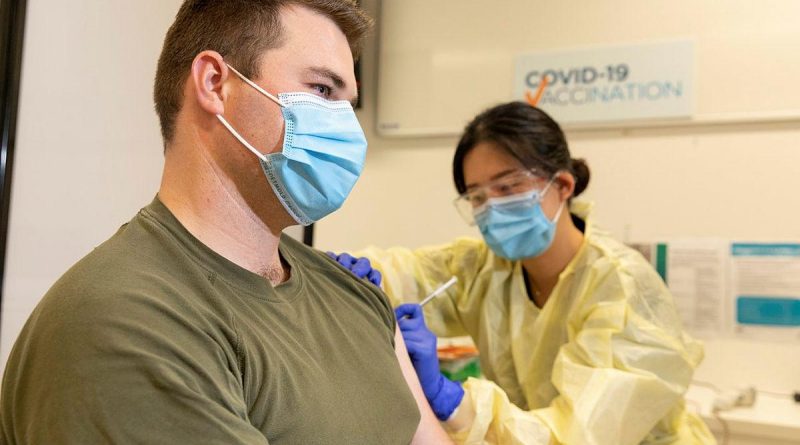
x: 476, y: 199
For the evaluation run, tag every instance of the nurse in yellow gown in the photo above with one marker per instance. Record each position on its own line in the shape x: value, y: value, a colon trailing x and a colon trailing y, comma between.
x: 579, y: 338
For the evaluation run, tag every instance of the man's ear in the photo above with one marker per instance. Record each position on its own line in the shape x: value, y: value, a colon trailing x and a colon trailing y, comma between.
x: 207, y: 79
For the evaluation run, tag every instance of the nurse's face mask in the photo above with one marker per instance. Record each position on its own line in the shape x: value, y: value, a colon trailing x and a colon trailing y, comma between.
x: 509, y: 213
x: 323, y: 153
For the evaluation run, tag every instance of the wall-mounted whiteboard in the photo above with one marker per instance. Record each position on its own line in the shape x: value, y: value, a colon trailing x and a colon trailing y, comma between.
x: 441, y: 62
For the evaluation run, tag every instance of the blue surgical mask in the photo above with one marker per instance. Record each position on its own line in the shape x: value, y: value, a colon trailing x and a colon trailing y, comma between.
x: 323, y: 154
x: 515, y: 227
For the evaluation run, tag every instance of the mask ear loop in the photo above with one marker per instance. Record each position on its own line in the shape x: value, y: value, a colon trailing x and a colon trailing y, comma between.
x: 241, y: 139
x: 258, y: 88
x: 561, y: 207
x: 558, y: 213
x: 230, y: 127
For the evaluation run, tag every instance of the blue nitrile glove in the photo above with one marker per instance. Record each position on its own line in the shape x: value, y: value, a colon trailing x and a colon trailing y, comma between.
x: 360, y: 267
x: 443, y: 395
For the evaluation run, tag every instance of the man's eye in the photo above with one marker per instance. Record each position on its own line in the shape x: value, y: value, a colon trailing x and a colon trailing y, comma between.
x: 322, y: 90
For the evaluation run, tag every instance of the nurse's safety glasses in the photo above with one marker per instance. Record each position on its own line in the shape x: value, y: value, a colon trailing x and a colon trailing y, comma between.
x: 520, y: 181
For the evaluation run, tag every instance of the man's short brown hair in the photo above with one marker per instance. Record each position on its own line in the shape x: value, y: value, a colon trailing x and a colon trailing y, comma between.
x: 240, y: 30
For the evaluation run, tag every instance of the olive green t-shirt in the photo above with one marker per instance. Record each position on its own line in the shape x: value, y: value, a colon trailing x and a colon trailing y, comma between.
x: 154, y: 338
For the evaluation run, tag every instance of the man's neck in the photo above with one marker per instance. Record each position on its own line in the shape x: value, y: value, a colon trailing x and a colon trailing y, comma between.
x: 210, y: 206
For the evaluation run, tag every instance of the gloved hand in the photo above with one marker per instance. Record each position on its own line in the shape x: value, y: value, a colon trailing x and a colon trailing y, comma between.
x: 360, y: 267
x: 443, y: 395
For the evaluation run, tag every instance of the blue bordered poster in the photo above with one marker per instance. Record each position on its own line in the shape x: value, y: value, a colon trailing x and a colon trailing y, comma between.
x: 765, y: 285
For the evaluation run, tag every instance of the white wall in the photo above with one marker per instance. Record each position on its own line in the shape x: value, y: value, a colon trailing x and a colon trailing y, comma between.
x: 738, y: 182
x: 88, y: 151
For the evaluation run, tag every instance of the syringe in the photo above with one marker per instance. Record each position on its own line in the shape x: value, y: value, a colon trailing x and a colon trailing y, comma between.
x: 438, y: 291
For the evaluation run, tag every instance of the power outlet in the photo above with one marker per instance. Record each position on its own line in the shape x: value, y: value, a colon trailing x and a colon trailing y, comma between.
x: 734, y: 398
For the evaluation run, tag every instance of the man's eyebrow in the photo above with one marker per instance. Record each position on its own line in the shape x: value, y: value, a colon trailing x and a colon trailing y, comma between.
x: 336, y: 79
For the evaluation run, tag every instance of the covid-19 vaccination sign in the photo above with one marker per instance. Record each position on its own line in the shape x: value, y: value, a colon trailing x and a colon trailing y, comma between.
x: 609, y: 84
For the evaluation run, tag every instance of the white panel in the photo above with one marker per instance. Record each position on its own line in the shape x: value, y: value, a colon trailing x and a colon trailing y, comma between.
x: 441, y: 62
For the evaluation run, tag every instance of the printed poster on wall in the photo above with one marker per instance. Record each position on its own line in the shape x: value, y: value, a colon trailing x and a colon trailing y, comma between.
x: 723, y: 289
x: 609, y: 84
x: 696, y: 273
x: 765, y: 288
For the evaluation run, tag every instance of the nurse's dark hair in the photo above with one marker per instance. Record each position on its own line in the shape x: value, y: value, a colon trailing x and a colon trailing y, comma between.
x: 528, y: 134
x: 240, y: 30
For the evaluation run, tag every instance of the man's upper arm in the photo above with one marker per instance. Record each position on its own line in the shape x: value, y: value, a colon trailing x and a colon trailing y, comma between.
x: 429, y: 430
x: 128, y: 369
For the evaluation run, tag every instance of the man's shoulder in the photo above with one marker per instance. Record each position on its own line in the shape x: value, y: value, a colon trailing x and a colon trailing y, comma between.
x: 131, y: 268
x: 118, y: 260
x: 311, y: 259
x: 322, y: 272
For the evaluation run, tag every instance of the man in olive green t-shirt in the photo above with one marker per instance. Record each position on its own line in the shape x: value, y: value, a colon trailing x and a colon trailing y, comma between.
x: 155, y: 338
x: 197, y: 322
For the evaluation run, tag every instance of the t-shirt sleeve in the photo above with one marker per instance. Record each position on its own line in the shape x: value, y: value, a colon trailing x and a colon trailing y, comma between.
x: 374, y: 295
x: 133, y: 368
x: 384, y: 309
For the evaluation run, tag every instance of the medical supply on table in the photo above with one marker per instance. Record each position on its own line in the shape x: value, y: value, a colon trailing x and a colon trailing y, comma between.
x: 458, y: 358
